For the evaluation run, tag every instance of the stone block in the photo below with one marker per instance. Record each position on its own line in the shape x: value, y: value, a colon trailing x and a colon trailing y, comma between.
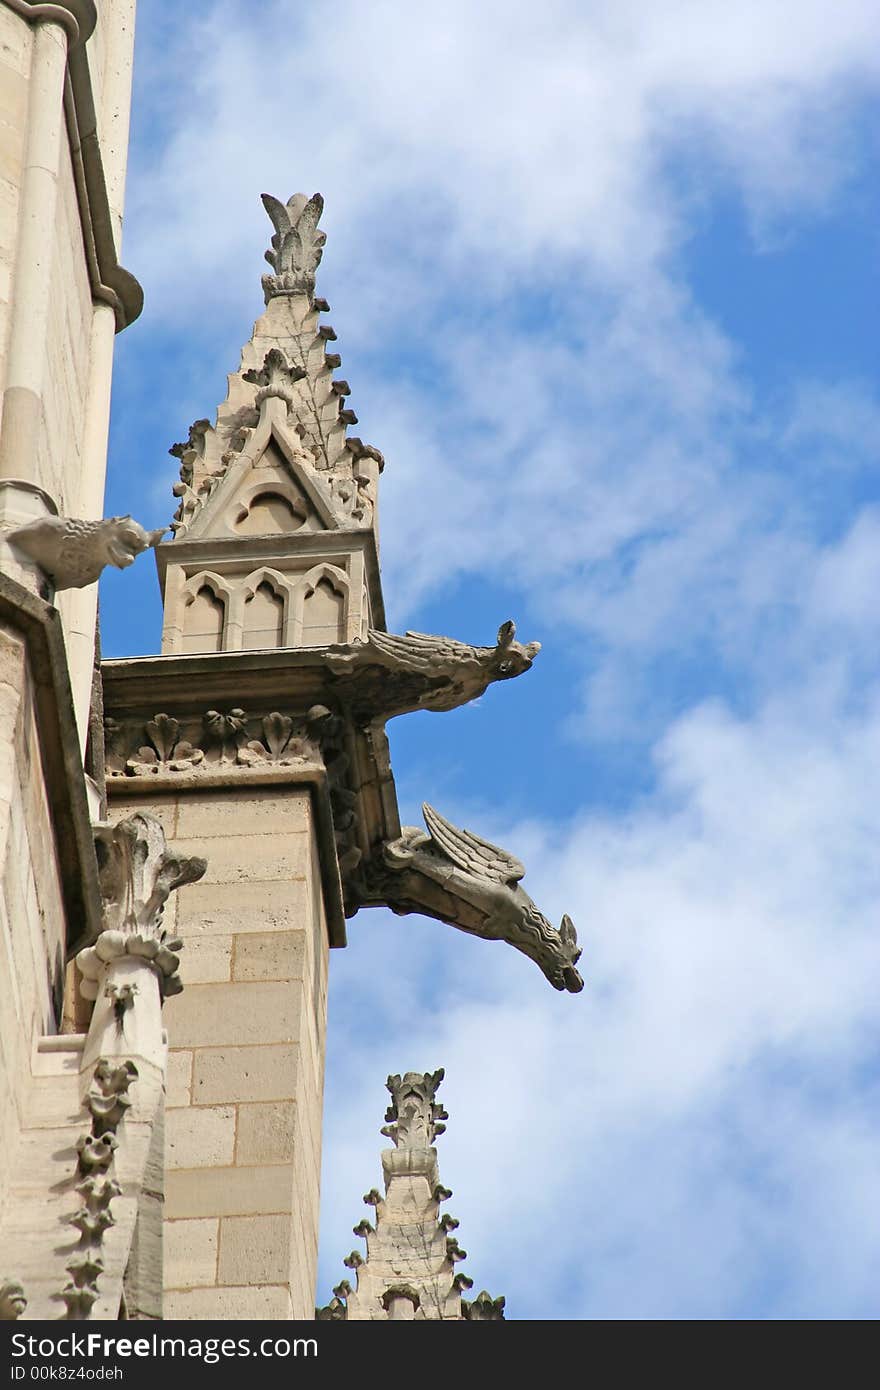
x: 235, y: 908
x: 200, y: 1137
x: 234, y: 1015
x: 164, y: 808
x: 244, y: 1073
x: 259, y: 1302
x: 206, y: 960
x: 228, y: 1191
x: 246, y: 812
x: 190, y: 1252
x: 269, y: 956
x: 178, y: 1079
x: 254, y: 1250
x: 265, y: 1133
x: 248, y: 858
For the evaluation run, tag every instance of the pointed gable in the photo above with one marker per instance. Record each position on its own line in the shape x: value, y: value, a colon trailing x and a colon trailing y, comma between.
x: 275, y: 476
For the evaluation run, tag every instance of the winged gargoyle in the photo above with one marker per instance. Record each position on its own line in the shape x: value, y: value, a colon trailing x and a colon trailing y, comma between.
x: 455, y: 876
x: 395, y: 675
x: 297, y: 245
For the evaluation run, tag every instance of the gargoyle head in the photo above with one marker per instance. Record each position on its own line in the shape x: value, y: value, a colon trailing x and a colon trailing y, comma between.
x: 510, y: 658
x: 124, y: 539
x: 559, y: 963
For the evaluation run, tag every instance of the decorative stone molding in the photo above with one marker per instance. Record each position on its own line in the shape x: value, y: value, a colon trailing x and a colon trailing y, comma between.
x: 456, y: 876
x: 297, y: 245
x: 229, y: 739
x: 12, y: 1300
x: 166, y: 751
x: 393, y: 675
x: 107, y: 1101
x: 74, y: 553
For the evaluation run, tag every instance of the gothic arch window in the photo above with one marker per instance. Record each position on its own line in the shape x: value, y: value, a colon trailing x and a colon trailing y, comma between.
x: 322, y: 603
x: 204, y: 614
x: 271, y: 512
x: 266, y: 602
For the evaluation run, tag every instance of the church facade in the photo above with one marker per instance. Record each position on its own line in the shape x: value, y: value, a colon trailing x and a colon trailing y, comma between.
x: 183, y: 837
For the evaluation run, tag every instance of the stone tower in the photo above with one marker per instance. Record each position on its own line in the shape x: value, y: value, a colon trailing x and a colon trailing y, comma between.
x: 409, y: 1269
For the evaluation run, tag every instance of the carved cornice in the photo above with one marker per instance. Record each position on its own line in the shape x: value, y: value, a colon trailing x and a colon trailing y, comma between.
x: 110, y: 282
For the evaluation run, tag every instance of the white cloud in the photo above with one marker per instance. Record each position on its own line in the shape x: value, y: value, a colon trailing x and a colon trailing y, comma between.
x: 687, y: 1135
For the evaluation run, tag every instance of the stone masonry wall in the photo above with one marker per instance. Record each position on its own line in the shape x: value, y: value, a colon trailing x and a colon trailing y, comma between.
x: 245, y: 1079
x: 31, y: 912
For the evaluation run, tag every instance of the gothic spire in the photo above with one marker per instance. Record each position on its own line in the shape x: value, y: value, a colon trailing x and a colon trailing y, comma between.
x: 409, y: 1269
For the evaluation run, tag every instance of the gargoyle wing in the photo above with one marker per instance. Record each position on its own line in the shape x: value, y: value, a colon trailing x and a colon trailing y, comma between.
x: 470, y: 853
x: 419, y: 651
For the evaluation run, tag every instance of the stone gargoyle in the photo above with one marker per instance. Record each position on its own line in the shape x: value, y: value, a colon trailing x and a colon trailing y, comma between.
x: 74, y: 553
x: 457, y: 877
x: 393, y: 675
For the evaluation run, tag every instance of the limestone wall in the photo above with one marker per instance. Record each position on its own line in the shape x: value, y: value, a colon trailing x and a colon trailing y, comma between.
x: 31, y: 917
x: 245, y: 1081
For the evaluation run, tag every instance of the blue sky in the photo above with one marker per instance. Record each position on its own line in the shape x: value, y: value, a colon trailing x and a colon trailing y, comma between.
x: 604, y: 281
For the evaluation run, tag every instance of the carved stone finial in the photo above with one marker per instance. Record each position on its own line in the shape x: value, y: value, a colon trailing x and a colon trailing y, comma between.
x: 12, y: 1300
x: 74, y: 553
x: 334, y: 1311
x: 276, y: 377
x: 137, y: 872
x: 412, y: 1110
x: 484, y: 1308
x: 297, y: 245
